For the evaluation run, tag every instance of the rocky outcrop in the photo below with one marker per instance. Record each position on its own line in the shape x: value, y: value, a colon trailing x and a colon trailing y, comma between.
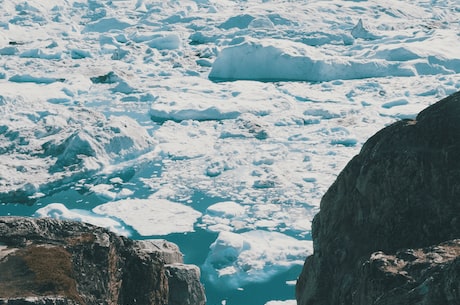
x: 388, y: 228
x: 411, y: 276
x: 47, y: 261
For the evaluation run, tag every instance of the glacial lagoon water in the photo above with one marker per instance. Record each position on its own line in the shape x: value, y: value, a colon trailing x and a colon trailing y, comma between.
x: 194, y: 245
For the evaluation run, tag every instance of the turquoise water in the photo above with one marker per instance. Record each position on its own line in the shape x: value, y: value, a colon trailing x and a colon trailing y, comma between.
x: 194, y: 245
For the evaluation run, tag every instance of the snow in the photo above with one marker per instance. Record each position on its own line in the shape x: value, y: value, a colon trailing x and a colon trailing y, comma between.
x: 210, y: 118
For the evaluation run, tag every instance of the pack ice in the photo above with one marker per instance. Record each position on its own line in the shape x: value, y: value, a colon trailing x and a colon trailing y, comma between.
x: 223, y: 122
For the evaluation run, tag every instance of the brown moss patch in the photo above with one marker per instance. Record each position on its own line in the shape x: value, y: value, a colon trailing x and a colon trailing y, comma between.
x: 15, y: 278
x: 39, y: 271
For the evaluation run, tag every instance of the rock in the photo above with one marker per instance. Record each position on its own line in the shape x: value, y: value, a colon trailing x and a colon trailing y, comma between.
x: 412, y: 276
x: 182, y: 280
x: 396, y: 202
x: 47, y: 261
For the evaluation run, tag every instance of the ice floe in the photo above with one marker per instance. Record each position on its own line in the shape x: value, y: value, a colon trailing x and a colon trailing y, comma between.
x: 47, y: 145
x: 60, y: 211
x: 151, y: 216
x: 254, y: 256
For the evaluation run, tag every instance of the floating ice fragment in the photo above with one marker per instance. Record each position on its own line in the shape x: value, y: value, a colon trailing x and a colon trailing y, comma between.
x: 108, y: 192
x: 235, y: 259
x: 60, y: 211
x: 398, y: 102
x: 9, y: 51
x: 79, y: 54
x: 359, y: 31
x: 165, y: 42
x: 27, y: 78
x: 151, y: 216
x: 287, y: 302
x: 282, y: 60
x: 38, y: 53
x: 240, y: 21
x: 106, y: 25
x: 261, y: 23
x: 226, y: 209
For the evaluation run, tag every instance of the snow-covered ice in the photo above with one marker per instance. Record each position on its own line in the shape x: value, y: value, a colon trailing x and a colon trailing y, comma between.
x: 236, y: 259
x: 232, y: 116
x: 151, y: 216
x: 281, y: 60
x: 60, y: 211
x: 148, y: 217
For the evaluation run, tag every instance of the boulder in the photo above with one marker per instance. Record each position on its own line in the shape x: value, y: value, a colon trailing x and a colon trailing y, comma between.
x: 47, y: 261
x: 388, y: 228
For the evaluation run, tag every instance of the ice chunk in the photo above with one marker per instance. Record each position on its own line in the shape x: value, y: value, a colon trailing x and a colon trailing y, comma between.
x: 359, y: 31
x: 107, y: 191
x: 106, y: 25
x: 165, y: 42
x: 240, y: 22
x: 287, y: 302
x: 79, y: 54
x: 282, y: 60
x: 60, y: 211
x: 38, y: 53
x: 53, y: 144
x: 151, y: 216
x: 394, y: 103
x: 8, y: 51
x: 226, y: 209
x: 204, y: 100
x: 255, y: 256
x: 27, y: 78
x: 261, y: 23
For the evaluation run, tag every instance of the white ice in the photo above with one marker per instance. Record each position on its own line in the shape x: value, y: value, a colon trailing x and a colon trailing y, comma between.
x: 235, y: 259
x: 287, y: 302
x: 151, y: 216
x: 60, y: 211
x: 253, y: 105
x: 147, y: 217
x: 281, y: 60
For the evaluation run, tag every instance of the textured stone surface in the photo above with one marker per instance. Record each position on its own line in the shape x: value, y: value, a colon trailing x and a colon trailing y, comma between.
x: 412, y: 276
x: 181, y: 281
x: 47, y: 261
x: 401, y: 192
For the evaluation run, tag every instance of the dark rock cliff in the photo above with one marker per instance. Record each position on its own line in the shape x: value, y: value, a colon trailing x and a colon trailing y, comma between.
x: 47, y: 261
x: 388, y: 228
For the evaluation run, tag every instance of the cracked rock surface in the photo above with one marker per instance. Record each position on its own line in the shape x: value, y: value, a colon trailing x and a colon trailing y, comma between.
x: 47, y: 261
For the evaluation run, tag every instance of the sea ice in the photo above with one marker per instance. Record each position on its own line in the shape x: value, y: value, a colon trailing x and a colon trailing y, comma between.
x: 60, y: 211
x: 287, y: 302
x: 254, y: 111
x: 107, y: 24
x: 236, y: 259
x: 45, y: 144
x: 107, y: 191
x: 226, y: 209
x: 283, y: 60
x: 151, y: 216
